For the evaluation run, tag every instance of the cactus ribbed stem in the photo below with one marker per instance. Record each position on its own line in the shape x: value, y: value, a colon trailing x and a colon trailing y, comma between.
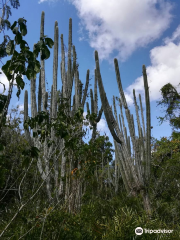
x: 95, y: 93
x: 39, y: 94
x: 92, y: 101
x: 55, y: 67
x: 142, y: 116
x: 137, y: 114
x: 63, y: 69
x: 148, y: 125
x: 43, y: 86
x: 86, y: 89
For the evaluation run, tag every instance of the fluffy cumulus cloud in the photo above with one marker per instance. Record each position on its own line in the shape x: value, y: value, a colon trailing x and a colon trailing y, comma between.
x: 102, y: 127
x: 122, y: 26
x: 164, y: 68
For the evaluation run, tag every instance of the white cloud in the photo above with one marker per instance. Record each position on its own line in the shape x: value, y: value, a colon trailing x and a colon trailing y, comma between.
x: 175, y: 36
x: 5, y: 81
x: 165, y: 68
x: 102, y: 127
x: 122, y: 26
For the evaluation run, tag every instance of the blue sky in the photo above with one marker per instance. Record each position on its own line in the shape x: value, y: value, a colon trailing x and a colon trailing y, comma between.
x: 135, y: 32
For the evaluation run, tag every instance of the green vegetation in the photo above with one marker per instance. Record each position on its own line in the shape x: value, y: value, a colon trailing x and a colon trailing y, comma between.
x: 53, y: 185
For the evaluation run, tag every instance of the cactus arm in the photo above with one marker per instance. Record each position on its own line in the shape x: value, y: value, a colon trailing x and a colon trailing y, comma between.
x: 76, y: 91
x: 80, y: 92
x: 39, y: 94
x: 86, y: 89
x: 87, y: 106
x: 63, y: 70
x: 115, y: 111
x: 120, y: 124
x: 43, y: 86
x: 107, y: 110
x: 148, y: 125
x: 99, y: 115
x: 95, y: 93
x: 51, y: 101
x: 92, y: 101
x: 142, y: 116
x: 137, y: 114
x: 26, y: 131
x: 46, y: 101
x: 55, y: 66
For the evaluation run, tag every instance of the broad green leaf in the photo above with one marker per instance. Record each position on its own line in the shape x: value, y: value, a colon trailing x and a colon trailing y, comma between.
x: 23, y: 44
x: 7, y: 24
x: 15, y: 30
x: 30, y: 74
x: 22, y: 20
x: 24, y: 31
x: 39, y: 45
x: 23, y: 27
x: 36, y: 53
x: 9, y: 76
x: 18, y: 38
x: 6, y: 66
x: 16, y: 55
x: 13, y: 26
x: 20, y: 82
x: 10, y: 47
x: 37, y: 66
x: 49, y: 42
x: 45, y: 53
x: 29, y: 55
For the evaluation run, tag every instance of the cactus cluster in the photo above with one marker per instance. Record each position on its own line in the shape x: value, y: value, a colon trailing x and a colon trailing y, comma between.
x: 67, y: 76
x: 135, y: 171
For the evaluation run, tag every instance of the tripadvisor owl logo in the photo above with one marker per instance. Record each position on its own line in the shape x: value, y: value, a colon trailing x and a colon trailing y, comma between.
x: 139, y: 231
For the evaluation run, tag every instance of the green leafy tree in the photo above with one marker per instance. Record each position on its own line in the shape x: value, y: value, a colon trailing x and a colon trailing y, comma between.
x: 4, y: 22
x: 170, y: 100
x: 166, y: 178
x: 21, y: 63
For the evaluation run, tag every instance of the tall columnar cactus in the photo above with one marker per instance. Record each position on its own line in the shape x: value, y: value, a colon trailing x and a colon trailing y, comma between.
x: 62, y: 168
x: 26, y: 131
x: 39, y: 94
x: 43, y: 86
x: 94, y: 108
x: 55, y: 68
x: 132, y: 174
